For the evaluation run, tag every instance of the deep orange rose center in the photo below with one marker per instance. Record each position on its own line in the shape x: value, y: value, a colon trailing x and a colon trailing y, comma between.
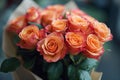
x: 51, y: 46
x: 60, y: 25
x: 93, y: 43
x: 75, y: 39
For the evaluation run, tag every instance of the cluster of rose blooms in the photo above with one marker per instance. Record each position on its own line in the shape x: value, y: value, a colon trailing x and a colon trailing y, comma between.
x: 63, y: 32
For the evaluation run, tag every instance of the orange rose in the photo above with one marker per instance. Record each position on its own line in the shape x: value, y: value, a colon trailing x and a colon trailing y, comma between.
x: 84, y: 15
x: 102, y: 31
x: 42, y: 34
x: 48, y: 16
x: 77, y: 23
x: 78, y: 12
x: 89, y: 19
x: 17, y: 24
x: 59, y: 25
x: 30, y: 36
x: 94, y: 47
x: 52, y: 47
x: 75, y: 41
x: 26, y: 45
x: 33, y: 15
x: 57, y: 8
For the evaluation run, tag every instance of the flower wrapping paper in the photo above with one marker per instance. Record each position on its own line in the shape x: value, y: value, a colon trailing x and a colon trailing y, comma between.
x: 9, y: 48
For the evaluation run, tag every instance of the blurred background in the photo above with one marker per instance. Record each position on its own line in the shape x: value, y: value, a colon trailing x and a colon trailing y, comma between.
x: 107, y: 11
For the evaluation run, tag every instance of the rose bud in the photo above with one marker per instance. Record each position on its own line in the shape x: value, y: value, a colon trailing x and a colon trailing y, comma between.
x: 59, y: 25
x: 47, y: 17
x: 33, y: 15
x: 102, y: 31
x: 77, y: 23
x: 58, y: 8
x: 75, y: 41
x: 30, y: 35
x: 94, y: 47
x: 52, y: 47
x: 17, y: 24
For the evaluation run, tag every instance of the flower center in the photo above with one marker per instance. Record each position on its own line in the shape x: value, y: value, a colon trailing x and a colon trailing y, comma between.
x: 51, y: 46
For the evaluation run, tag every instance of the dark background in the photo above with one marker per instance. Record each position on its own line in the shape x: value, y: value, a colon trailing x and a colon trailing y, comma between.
x: 107, y: 11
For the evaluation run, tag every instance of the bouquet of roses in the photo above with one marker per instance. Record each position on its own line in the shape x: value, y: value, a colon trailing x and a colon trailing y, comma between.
x: 57, y: 44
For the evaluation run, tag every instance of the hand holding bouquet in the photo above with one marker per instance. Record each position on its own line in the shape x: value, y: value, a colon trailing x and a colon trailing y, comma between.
x: 65, y: 45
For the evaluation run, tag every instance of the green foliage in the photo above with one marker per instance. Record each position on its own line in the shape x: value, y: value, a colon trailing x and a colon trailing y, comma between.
x: 9, y: 65
x: 33, y: 23
x: 77, y: 58
x: 55, y: 71
x: 16, y: 39
x: 72, y: 72
x: 29, y: 63
x: 84, y: 75
x: 88, y: 64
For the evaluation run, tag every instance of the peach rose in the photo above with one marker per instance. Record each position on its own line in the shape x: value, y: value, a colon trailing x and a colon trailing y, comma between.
x: 102, y: 31
x: 77, y: 23
x: 75, y: 41
x: 30, y: 36
x: 16, y: 25
x: 57, y: 8
x: 59, y: 25
x: 33, y: 15
x: 47, y: 16
x: 26, y: 45
x: 84, y: 15
x: 52, y: 47
x: 42, y: 34
x: 78, y: 12
x: 94, y: 47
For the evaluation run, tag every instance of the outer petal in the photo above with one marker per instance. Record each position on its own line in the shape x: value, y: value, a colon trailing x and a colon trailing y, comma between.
x: 95, y: 55
x: 17, y: 24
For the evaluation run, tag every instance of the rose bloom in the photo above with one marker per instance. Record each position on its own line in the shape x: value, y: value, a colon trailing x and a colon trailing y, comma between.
x: 102, y: 31
x: 78, y: 12
x: 75, y: 41
x: 52, y: 47
x: 94, y: 47
x: 47, y: 16
x: 58, y: 8
x: 17, y: 24
x: 59, y: 25
x: 33, y: 15
x: 42, y: 34
x: 30, y: 36
x: 26, y: 45
x: 77, y: 23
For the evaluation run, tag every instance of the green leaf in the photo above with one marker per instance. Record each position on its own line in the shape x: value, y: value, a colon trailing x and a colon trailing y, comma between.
x: 77, y: 58
x: 83, y: 75
x: 29, y: 63
x: 88, y: 64
x: 9, y: 65
x: 55, y: 71
x: 16, y: 39
x: 33, y: 23
x: 72, y: 72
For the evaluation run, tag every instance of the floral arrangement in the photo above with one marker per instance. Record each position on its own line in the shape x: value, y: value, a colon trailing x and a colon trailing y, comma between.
x: 57, y: 44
